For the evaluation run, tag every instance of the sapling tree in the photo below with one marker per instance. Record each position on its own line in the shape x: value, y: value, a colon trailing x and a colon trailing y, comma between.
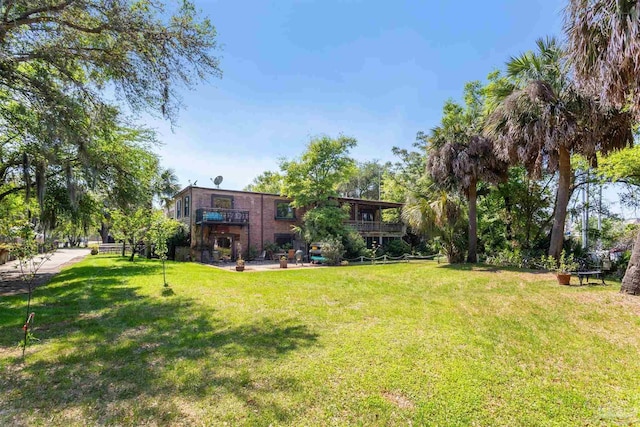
x: 25, y: 249
x: 159, y: 232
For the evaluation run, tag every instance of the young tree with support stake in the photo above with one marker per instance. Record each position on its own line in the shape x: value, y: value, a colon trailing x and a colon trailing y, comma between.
x: 30, y: 260
x: 161, y: 229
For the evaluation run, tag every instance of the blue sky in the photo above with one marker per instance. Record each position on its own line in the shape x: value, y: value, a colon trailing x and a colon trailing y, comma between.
x: 377, y: 71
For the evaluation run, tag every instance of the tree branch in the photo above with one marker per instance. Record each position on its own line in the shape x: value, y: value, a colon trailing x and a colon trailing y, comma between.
x: 52, y: 8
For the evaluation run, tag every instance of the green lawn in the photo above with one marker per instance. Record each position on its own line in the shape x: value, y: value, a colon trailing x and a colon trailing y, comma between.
x: 419, y: 343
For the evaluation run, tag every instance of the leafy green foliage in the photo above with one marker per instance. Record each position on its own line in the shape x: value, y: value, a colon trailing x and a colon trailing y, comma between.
x: 397, y: 247
x: 442, y: 217
x: 623, y: 165
x: 314, y: 179
x: 323, y: 223
x: 333, y: 251
x: 515, y: 214
x: 266, y: 182
x: 366, y: 182
x: 563, y: 265
x: 130, y: 227
x: 58, y: 125
x: 354, y: 244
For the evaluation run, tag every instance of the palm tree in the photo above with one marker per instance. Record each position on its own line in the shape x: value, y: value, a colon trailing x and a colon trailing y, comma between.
x: 459, y: 157
x: 439, y: 214
x: 604, y: 49
x: 165, y: 186
x: 545, y: 119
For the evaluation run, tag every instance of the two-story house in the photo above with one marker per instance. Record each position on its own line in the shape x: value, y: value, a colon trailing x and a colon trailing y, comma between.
x: 223, y: 218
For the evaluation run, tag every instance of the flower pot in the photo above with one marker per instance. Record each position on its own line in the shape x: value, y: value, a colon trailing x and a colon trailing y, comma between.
x: 283, y: 263
x: 239, y: 267
x: 563, y: 278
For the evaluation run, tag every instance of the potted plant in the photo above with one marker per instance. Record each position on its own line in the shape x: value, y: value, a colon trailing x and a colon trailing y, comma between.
x: 283, y: 262
x: 562, y: 267
x: 240, y: 264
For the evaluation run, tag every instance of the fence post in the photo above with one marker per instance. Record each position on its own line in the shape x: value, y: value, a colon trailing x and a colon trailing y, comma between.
x: 361, y: 258
x: 385, y: 258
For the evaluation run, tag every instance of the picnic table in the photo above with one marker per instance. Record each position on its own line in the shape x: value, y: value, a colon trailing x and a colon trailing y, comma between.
x: 588, y: 274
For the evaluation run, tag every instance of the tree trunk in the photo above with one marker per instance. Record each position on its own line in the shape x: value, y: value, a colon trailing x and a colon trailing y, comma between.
x: 104, y: 233
x: 562, y: 201
x: 472, y: 256
x: 508, y: 227
x: 631, y: 279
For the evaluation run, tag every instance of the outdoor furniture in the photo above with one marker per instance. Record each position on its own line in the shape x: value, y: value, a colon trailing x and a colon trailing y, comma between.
x: 213, y: 216
x: 317, y: 259
x: 588, y: 274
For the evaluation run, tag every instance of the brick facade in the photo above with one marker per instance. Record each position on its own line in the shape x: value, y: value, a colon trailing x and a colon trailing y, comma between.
x: 260, y: 227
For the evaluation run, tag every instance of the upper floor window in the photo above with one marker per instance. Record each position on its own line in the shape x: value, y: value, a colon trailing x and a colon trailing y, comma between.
x: 221, y: 202
x: 187, y: 205
x: 284, y: 210
x: 178, y: 208
x: 366, y: 216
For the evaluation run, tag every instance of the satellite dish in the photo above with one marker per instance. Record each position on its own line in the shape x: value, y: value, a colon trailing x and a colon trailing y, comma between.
x: 218, y: 180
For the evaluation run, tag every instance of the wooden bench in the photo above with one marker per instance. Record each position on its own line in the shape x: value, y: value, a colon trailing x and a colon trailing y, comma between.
x: 588, y: 274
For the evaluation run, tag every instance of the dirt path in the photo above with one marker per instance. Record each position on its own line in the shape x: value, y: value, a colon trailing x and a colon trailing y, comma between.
x: 11, y: 283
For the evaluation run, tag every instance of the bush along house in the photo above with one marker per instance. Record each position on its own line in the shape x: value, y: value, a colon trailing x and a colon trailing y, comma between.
x: 222, y: 222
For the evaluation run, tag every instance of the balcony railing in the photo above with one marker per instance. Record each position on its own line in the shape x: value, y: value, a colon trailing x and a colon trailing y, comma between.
x: 222, y: 216
x: 375, y: 227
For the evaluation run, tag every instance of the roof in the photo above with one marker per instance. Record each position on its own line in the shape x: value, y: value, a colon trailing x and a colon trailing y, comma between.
x: 381, y: 203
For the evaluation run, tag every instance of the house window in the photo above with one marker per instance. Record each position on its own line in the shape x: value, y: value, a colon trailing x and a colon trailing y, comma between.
x: 283, y: 239
x: 187, y: 205
x: 221, y: 202
x: 284, y: 210
x: 366, y: 216
x: 178, y: 208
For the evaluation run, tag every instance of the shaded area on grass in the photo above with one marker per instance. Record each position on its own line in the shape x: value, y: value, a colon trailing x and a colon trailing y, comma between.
x: 113, y: 344
x: 380, y: 345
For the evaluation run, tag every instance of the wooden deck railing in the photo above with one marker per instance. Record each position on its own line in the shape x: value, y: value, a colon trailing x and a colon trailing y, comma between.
x: 222, y: 216
x: 375, y: 227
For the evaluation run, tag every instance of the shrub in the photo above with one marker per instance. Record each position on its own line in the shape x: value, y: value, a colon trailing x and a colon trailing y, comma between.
x: 397, y: 247
x: 354, y: 244
x: 509, y: 258
x: 181, y: 237
x: 94, y: 249
x: 332, y: 251
x: 252, y: 253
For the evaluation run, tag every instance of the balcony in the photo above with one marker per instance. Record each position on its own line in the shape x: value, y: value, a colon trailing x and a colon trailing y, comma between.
x: 222, y: 216
x: 375, y: 227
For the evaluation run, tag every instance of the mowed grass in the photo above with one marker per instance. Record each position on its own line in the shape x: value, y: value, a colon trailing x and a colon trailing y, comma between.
x: 418, y: 343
